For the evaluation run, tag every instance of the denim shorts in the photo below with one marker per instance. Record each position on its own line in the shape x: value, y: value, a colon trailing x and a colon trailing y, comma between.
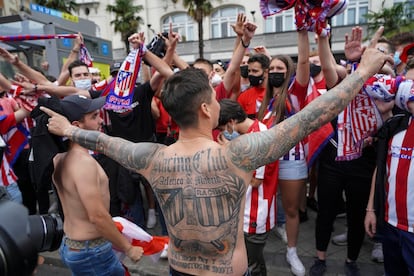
x: 293, y: 169
x: 97, y: 261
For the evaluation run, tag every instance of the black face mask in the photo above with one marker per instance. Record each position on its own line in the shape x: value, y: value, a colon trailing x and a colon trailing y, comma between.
x: 314, y: 70
x: 244, y: 71
x: 255, y: 81
x: 276, y: 79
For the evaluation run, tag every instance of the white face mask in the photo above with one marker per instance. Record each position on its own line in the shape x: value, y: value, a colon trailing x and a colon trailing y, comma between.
x: 84, y: 84
x: 216, y: 80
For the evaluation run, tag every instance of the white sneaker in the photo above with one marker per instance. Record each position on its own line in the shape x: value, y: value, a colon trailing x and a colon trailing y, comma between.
x: 341, y: 239
x: 164, y: 253
x: 296, y: 265
x: 281, y: 232
x: 376, y: 254
x: 152, y: 219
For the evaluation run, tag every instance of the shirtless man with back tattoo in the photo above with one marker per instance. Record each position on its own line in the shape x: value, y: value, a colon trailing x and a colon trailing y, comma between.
x: 201, y: 184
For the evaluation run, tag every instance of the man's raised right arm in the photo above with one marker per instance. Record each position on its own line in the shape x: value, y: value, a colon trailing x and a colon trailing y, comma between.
x: 254, y: 150
x: 133, y: 156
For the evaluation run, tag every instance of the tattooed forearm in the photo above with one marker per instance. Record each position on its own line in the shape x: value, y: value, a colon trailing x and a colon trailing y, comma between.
x: 257, y: 149
x: 133, y: 156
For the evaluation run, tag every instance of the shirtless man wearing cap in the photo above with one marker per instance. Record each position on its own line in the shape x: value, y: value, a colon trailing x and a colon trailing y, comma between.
x: 82, y: 186
x: 200, y: 184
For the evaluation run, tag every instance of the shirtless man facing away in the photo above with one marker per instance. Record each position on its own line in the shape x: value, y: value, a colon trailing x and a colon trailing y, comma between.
x: 82, y: 186
x: 200, y: 184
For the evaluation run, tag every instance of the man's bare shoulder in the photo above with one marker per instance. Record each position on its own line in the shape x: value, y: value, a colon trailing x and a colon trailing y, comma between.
x: 74, y: 163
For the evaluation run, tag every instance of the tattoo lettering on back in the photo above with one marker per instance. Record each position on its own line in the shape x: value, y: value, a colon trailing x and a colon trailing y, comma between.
x: 201, y: 199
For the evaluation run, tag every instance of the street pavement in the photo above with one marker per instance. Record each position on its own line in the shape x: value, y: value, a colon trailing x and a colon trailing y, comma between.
x: 275, y: 252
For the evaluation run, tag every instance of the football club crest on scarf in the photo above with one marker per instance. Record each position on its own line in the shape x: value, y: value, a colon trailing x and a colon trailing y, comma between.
x: 121, y: 90
x: 84, y: 56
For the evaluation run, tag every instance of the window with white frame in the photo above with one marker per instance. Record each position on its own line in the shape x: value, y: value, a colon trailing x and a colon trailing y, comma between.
x: 354, y: 14
x: 281, y: 22
x: 408, y: 3
x: 222, y: 19
x: 182, y: 23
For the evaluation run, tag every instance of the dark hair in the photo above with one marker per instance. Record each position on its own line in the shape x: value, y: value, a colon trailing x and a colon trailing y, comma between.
x: 260, y: 58
x: 279, y: 106
x: 391, y: 48
x: 183, y: 93
x: 230, y: 109
x: 204, y: 61
x: 402, y: 38
x: 74, y: 64
x: 410, y: 64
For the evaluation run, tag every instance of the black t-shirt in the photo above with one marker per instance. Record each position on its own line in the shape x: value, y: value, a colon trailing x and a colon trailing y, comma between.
x: 136, y: 125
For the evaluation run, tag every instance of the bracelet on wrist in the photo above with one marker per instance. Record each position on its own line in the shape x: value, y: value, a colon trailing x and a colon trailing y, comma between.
x: 370, y: 210
x: 143, y: 50
x: 75, y: 51
x: 243, y: 44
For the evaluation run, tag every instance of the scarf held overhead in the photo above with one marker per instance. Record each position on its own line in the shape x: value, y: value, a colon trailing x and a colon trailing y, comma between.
x: 121, y: 90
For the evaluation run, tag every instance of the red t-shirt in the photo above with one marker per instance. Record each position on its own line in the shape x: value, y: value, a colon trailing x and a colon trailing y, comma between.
x: 221, y: 92
x: 161, y: 125
x: 251, y: 99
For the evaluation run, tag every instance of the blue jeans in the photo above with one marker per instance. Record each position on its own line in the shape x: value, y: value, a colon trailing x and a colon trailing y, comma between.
x: 398, y: 249
x: 96, y: 261
x: 14, y: 192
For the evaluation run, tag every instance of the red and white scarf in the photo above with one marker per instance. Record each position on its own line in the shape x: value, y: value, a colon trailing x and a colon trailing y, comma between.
x: 85, y: 56
x: 361, y: 118
x: 121, y: 89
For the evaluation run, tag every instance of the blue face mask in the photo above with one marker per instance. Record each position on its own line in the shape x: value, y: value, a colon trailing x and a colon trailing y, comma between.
x: 84, y: 84
x: 397, y: 59
x: 230, y: 136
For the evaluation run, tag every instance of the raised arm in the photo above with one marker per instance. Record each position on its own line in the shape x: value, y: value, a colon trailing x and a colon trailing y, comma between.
x: 133, y: 156
x: 257, y: 149
x: 73, y: 55
x: 23, y: 68
x: 245, y: 31
x: 51, y: 89
x: 329, y: 66
x: 302, y: 69
x: 160, y: 65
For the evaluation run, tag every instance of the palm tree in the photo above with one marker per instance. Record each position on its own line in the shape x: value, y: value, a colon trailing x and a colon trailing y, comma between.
x: 197, y: 9
x: 396, y: 19
x: 60, y: 5
x: 126, y: 19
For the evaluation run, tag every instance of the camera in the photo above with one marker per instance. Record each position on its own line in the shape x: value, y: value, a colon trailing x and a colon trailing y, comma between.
x: 22, y: 237
x: 157, y: 45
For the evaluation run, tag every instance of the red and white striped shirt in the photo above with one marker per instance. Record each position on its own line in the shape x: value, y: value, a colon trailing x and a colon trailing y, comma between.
x: 399, y: 205
x: 294, y: 104
x: 260, y: 206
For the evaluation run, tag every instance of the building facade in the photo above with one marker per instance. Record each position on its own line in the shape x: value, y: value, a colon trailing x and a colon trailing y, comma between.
x: 276, y: 32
